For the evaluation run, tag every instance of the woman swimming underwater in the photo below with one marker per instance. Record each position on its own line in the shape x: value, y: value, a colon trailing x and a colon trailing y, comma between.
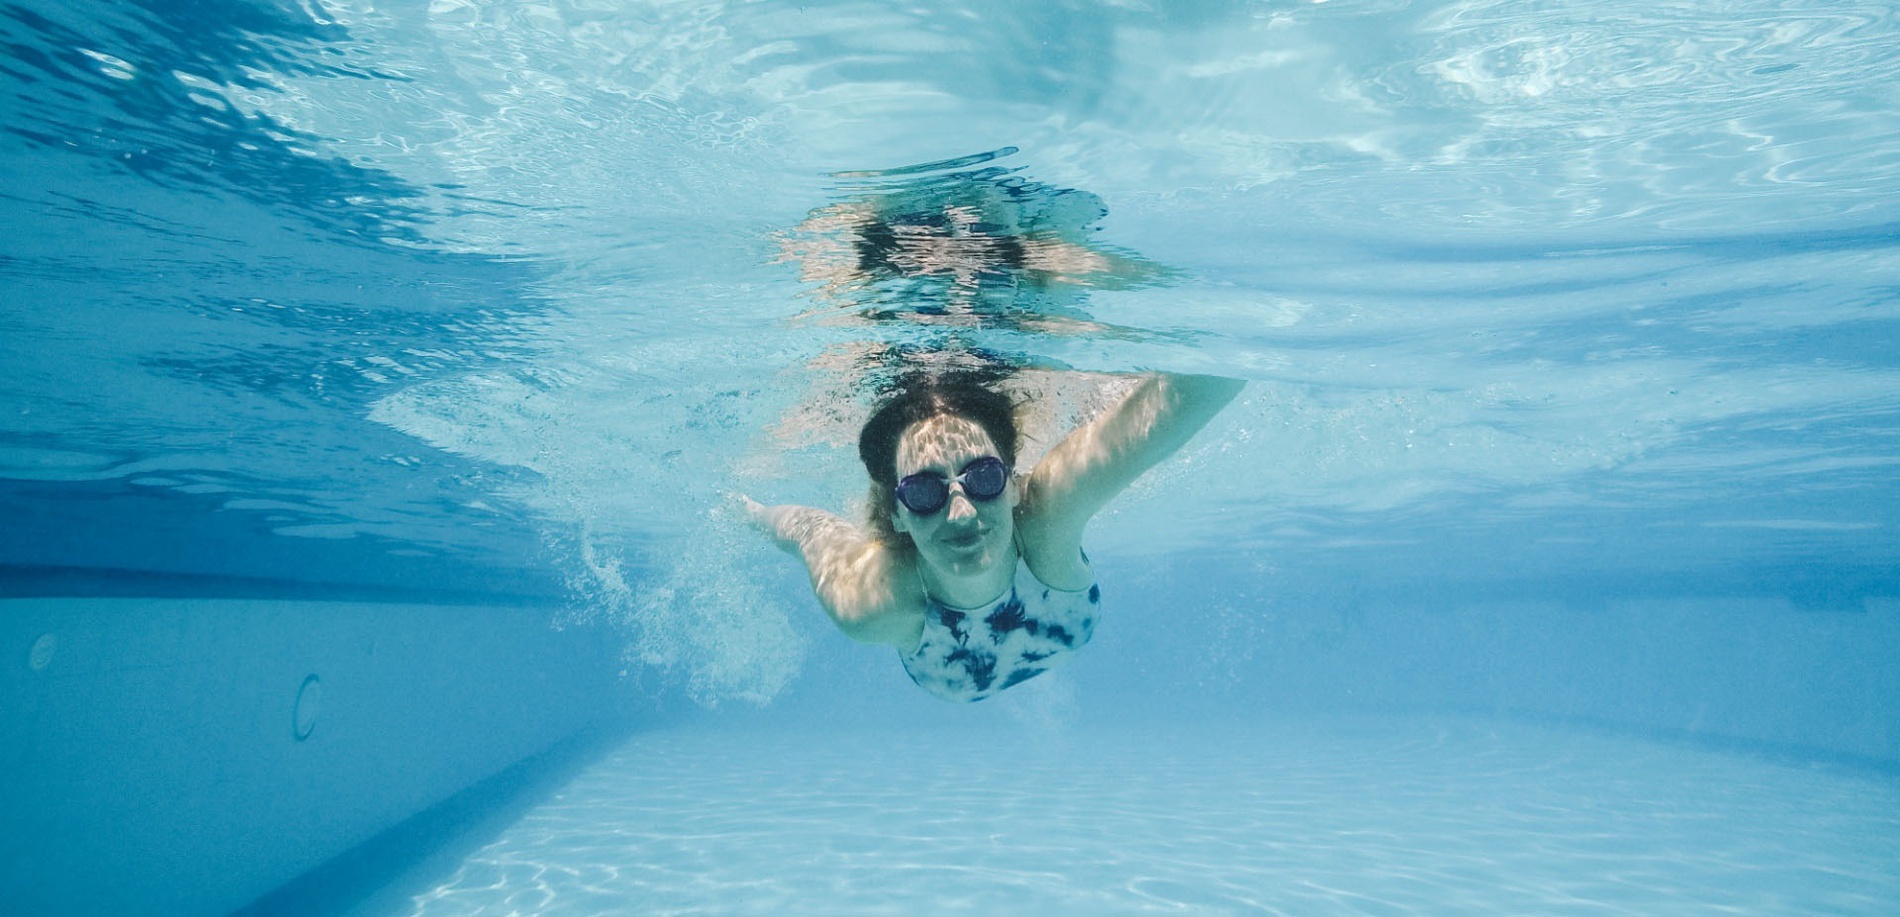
x: 973, y: 573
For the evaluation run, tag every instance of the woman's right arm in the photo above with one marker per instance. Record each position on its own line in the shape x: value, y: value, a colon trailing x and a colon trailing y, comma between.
x: 855, y: 576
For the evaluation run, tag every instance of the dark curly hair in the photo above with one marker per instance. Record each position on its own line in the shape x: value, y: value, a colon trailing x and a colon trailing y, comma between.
x: 920, y: 397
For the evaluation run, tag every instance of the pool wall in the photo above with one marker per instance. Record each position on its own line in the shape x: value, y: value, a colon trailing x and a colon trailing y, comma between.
x: 1759, y: 671
x: 191, y: 755
x: 151, y: 759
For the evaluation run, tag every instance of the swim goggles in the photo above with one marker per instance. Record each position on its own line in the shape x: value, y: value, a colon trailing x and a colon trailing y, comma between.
x: 926, y: 492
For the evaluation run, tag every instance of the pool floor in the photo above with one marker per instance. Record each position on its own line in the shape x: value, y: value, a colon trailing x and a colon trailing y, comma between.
x: 1347, y: 816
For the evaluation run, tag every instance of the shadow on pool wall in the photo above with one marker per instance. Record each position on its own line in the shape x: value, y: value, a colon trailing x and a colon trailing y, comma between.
x: 1748, y: 670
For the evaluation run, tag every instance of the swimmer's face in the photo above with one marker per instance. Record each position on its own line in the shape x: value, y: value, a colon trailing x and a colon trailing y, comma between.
x: 966, y: 536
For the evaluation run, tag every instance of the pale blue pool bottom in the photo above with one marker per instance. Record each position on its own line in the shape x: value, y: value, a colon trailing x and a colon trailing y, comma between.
x: 1331, y: 815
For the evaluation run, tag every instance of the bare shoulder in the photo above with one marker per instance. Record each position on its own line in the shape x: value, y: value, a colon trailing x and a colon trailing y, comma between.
x: 1053, y: 554
x: 867, y: 588
x: 875, y: 598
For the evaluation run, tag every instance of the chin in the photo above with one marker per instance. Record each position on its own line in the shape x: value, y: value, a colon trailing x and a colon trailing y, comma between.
x: 974, y: 560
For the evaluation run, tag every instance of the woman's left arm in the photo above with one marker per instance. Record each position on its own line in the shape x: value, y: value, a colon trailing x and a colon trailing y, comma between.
x: 1101, y: 458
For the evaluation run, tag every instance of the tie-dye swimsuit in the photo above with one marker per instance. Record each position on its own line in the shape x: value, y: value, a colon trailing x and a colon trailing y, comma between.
x: 968, y: 654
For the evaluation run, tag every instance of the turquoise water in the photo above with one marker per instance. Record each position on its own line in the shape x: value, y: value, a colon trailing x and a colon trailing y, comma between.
x: 1573, y: 400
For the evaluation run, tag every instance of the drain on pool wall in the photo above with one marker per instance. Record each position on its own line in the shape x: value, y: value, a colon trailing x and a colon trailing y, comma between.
x: 309, y: 704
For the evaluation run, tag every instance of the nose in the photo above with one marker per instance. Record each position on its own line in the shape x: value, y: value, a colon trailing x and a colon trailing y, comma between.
x: 960, y: 507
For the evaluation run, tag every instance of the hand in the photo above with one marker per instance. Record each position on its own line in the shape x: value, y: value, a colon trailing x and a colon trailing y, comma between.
x: 763, y: 517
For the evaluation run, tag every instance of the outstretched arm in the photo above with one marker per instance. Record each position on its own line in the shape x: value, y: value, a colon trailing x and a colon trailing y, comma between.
x: 855, y: 576
x: 1101, y: 458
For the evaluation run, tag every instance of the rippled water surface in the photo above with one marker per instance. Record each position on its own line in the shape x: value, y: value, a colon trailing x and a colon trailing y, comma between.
x: 468, y: 279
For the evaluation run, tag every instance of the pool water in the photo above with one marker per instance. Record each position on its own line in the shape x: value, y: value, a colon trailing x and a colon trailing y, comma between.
x: 1549, y: 561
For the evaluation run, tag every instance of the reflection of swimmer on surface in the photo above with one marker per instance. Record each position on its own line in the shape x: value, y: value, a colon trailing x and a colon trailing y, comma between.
x: 974, y: 573
x: 937, y: 257
x: 967, y: 249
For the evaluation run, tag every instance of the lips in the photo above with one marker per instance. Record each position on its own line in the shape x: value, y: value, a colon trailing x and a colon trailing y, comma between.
x: 964, y: 540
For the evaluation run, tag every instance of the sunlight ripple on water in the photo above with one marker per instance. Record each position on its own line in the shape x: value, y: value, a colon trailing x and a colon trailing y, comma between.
x: 1343, y: 818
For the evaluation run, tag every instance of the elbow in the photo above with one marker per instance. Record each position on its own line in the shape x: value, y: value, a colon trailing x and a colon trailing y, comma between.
x: 857, y: 629
x: 875, y: 630
x: 1197, y: 395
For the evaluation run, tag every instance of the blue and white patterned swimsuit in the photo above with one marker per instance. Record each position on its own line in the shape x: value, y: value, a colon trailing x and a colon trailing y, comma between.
x: 968, y: 654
